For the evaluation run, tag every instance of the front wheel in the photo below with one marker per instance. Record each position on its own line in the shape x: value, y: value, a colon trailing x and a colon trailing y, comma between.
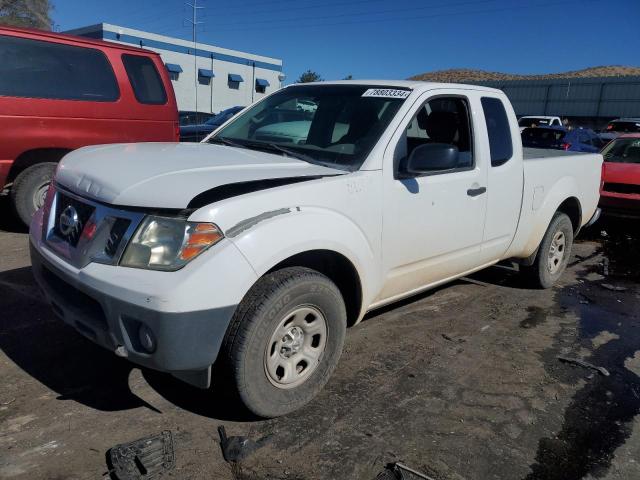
x: 285, y: 340
x: 30, y: 189
x: 553, y: 253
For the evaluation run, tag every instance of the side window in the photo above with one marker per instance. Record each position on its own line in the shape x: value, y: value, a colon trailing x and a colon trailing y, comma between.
x: 499, y: 131
x: 37, y: 69
x: 145, y: 80
x: 443, y: 120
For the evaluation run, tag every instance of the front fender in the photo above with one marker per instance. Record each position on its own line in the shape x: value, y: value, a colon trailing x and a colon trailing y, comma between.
x: 289, y: 231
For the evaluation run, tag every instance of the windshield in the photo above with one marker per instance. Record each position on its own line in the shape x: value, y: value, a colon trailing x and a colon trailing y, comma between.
x: 223, y: 116
x: 622, y: 150
x: 533, y: 122
x: 331, y: 125
x: 542, y: 137
x: 626, y: 127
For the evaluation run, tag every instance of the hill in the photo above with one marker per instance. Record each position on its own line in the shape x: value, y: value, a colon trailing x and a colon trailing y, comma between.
x: 461, y: 75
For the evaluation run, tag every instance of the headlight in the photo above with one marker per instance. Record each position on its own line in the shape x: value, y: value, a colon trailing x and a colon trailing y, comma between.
x: 163, y: 243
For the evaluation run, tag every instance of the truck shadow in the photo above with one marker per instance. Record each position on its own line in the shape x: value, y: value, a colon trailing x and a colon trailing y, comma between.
x: 48, y: 350
x: 9, y: 221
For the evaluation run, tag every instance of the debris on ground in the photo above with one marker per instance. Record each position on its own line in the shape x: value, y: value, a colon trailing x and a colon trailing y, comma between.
x: 613, y: 288
x: 584, y: 364
x: 399, y: 471
x: 451, y: 339
x: 238, y: 448
x: 143, y: 459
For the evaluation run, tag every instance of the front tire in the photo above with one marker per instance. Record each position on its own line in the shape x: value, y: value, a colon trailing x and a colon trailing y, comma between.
x: 284, y: 340
x: 30, y: 189
x: 553, y: 253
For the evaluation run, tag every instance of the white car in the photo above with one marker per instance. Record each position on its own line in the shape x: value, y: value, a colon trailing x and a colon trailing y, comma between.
x: 256, y: 254
x: 539, y: 121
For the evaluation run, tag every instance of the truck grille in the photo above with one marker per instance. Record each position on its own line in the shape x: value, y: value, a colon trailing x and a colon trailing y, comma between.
x: 76, y: 214
x: 621, y: 188
x: 116, y: 235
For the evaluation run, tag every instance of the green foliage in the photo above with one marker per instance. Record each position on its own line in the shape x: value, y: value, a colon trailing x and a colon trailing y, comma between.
x: 26, y: 13
x: 309, y: 76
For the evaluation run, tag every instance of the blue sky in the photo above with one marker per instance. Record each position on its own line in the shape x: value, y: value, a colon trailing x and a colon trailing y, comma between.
x: 384, y: 39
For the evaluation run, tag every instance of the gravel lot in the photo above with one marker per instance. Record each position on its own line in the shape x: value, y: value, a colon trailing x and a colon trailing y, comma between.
x: 460, y: 383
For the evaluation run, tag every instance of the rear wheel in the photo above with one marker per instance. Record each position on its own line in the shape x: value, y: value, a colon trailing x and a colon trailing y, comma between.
x: 553, y: 253
x: 30, y: 189
x: 284, y: 340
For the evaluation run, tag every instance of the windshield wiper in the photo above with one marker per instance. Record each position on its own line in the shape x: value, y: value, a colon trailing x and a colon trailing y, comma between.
x: 225, y: 141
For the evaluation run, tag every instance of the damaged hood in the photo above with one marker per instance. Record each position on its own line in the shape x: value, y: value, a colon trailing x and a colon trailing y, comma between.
x: 170, y: 175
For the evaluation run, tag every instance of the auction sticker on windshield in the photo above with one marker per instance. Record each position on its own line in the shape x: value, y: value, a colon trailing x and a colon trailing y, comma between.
x: 386, y: 93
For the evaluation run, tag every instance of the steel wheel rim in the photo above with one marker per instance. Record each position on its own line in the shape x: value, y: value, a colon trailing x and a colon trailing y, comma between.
x: 40, y: 195
x: 557, y: 251
x: 296, y: 347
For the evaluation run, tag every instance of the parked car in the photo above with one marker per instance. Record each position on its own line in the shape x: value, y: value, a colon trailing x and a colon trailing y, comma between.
x: 61, y: 92
x: 620, y: 126
x: 539, y: 121
x: 559, y: 138
x: 620, y: 188
x: 195, y: 133
x: 258, y: 254
x: 189, y: 117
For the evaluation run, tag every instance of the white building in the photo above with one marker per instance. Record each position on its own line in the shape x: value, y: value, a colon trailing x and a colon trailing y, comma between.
x: 223, y: 78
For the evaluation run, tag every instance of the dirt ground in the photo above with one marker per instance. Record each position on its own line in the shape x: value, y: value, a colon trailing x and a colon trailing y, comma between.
x: 460, y: 383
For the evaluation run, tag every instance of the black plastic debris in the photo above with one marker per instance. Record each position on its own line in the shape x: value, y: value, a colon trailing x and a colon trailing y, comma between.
x: 399, y: 471
x: 143, y: 459
x: 236, y: 449
x: 582, y: 363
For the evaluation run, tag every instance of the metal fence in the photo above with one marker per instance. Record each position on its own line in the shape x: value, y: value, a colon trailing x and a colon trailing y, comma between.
x: 605, y: 97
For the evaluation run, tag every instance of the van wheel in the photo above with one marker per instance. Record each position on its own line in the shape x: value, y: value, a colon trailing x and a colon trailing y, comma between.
x: 553, y: 253
x: 284, y: 340
x: 30, y: 189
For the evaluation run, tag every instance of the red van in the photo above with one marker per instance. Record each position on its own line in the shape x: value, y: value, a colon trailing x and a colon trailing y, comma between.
x: 61, y: 92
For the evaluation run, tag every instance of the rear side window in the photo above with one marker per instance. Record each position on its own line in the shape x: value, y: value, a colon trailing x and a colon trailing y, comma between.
x: 145, y: 79
x: 500, y: 143
x: 37, y: 69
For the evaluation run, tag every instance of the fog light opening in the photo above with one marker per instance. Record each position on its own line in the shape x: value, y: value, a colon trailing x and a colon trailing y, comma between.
x: 146, y: 338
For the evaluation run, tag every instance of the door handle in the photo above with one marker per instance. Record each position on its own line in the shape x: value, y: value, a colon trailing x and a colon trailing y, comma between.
x: 474, y: 192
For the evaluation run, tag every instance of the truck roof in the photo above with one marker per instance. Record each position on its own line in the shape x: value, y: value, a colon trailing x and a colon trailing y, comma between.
x: 411, y: 84
x: 20, y: 32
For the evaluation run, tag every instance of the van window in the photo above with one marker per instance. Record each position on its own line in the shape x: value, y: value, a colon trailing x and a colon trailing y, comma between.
x: 145, y: 79
x: 500, y: 142
x: 38, y: 69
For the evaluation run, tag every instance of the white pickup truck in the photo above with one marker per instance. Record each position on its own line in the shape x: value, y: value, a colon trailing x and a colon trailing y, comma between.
x: 255, y: 249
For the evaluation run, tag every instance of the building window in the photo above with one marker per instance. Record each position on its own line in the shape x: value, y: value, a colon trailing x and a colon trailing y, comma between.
x: 174, y: 71
x: 205, y: 76
x: 261, y: 85
x: 234, y: 81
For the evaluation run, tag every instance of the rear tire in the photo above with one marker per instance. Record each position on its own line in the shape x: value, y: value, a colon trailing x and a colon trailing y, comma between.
x: 284, y: 341
x: 30, y: 189
x: 553, y: 254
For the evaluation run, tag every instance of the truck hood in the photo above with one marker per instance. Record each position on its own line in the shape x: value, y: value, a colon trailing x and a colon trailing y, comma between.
x: 171, y: 175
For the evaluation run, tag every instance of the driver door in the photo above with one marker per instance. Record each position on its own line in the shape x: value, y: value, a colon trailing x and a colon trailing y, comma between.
x: 433, y: 223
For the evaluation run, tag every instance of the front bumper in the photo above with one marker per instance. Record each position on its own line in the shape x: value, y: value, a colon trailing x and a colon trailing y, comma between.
x: 184, y: 313
x: 620, y: 205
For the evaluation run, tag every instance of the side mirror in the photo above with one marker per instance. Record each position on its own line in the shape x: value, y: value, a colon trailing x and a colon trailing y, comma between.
x: 432, y: 157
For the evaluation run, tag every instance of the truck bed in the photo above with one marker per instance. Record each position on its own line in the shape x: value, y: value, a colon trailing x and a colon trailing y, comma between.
x: 535, y: 153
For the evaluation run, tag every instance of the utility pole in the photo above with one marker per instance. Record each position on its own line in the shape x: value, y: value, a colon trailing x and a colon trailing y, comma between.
x: 194, y: 25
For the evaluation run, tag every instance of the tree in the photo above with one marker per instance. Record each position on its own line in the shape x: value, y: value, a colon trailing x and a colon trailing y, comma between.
x: 309, y: 76
x: 348, y: 77
x: 26, y: 13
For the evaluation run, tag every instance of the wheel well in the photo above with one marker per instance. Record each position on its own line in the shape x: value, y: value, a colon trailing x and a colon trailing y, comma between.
x: 32, y: 157
x: 571, y: 207
x: 338, y: 269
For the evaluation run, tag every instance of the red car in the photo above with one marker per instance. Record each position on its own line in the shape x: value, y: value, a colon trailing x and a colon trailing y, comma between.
x: 61, y: 92
x: 620, y: 187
